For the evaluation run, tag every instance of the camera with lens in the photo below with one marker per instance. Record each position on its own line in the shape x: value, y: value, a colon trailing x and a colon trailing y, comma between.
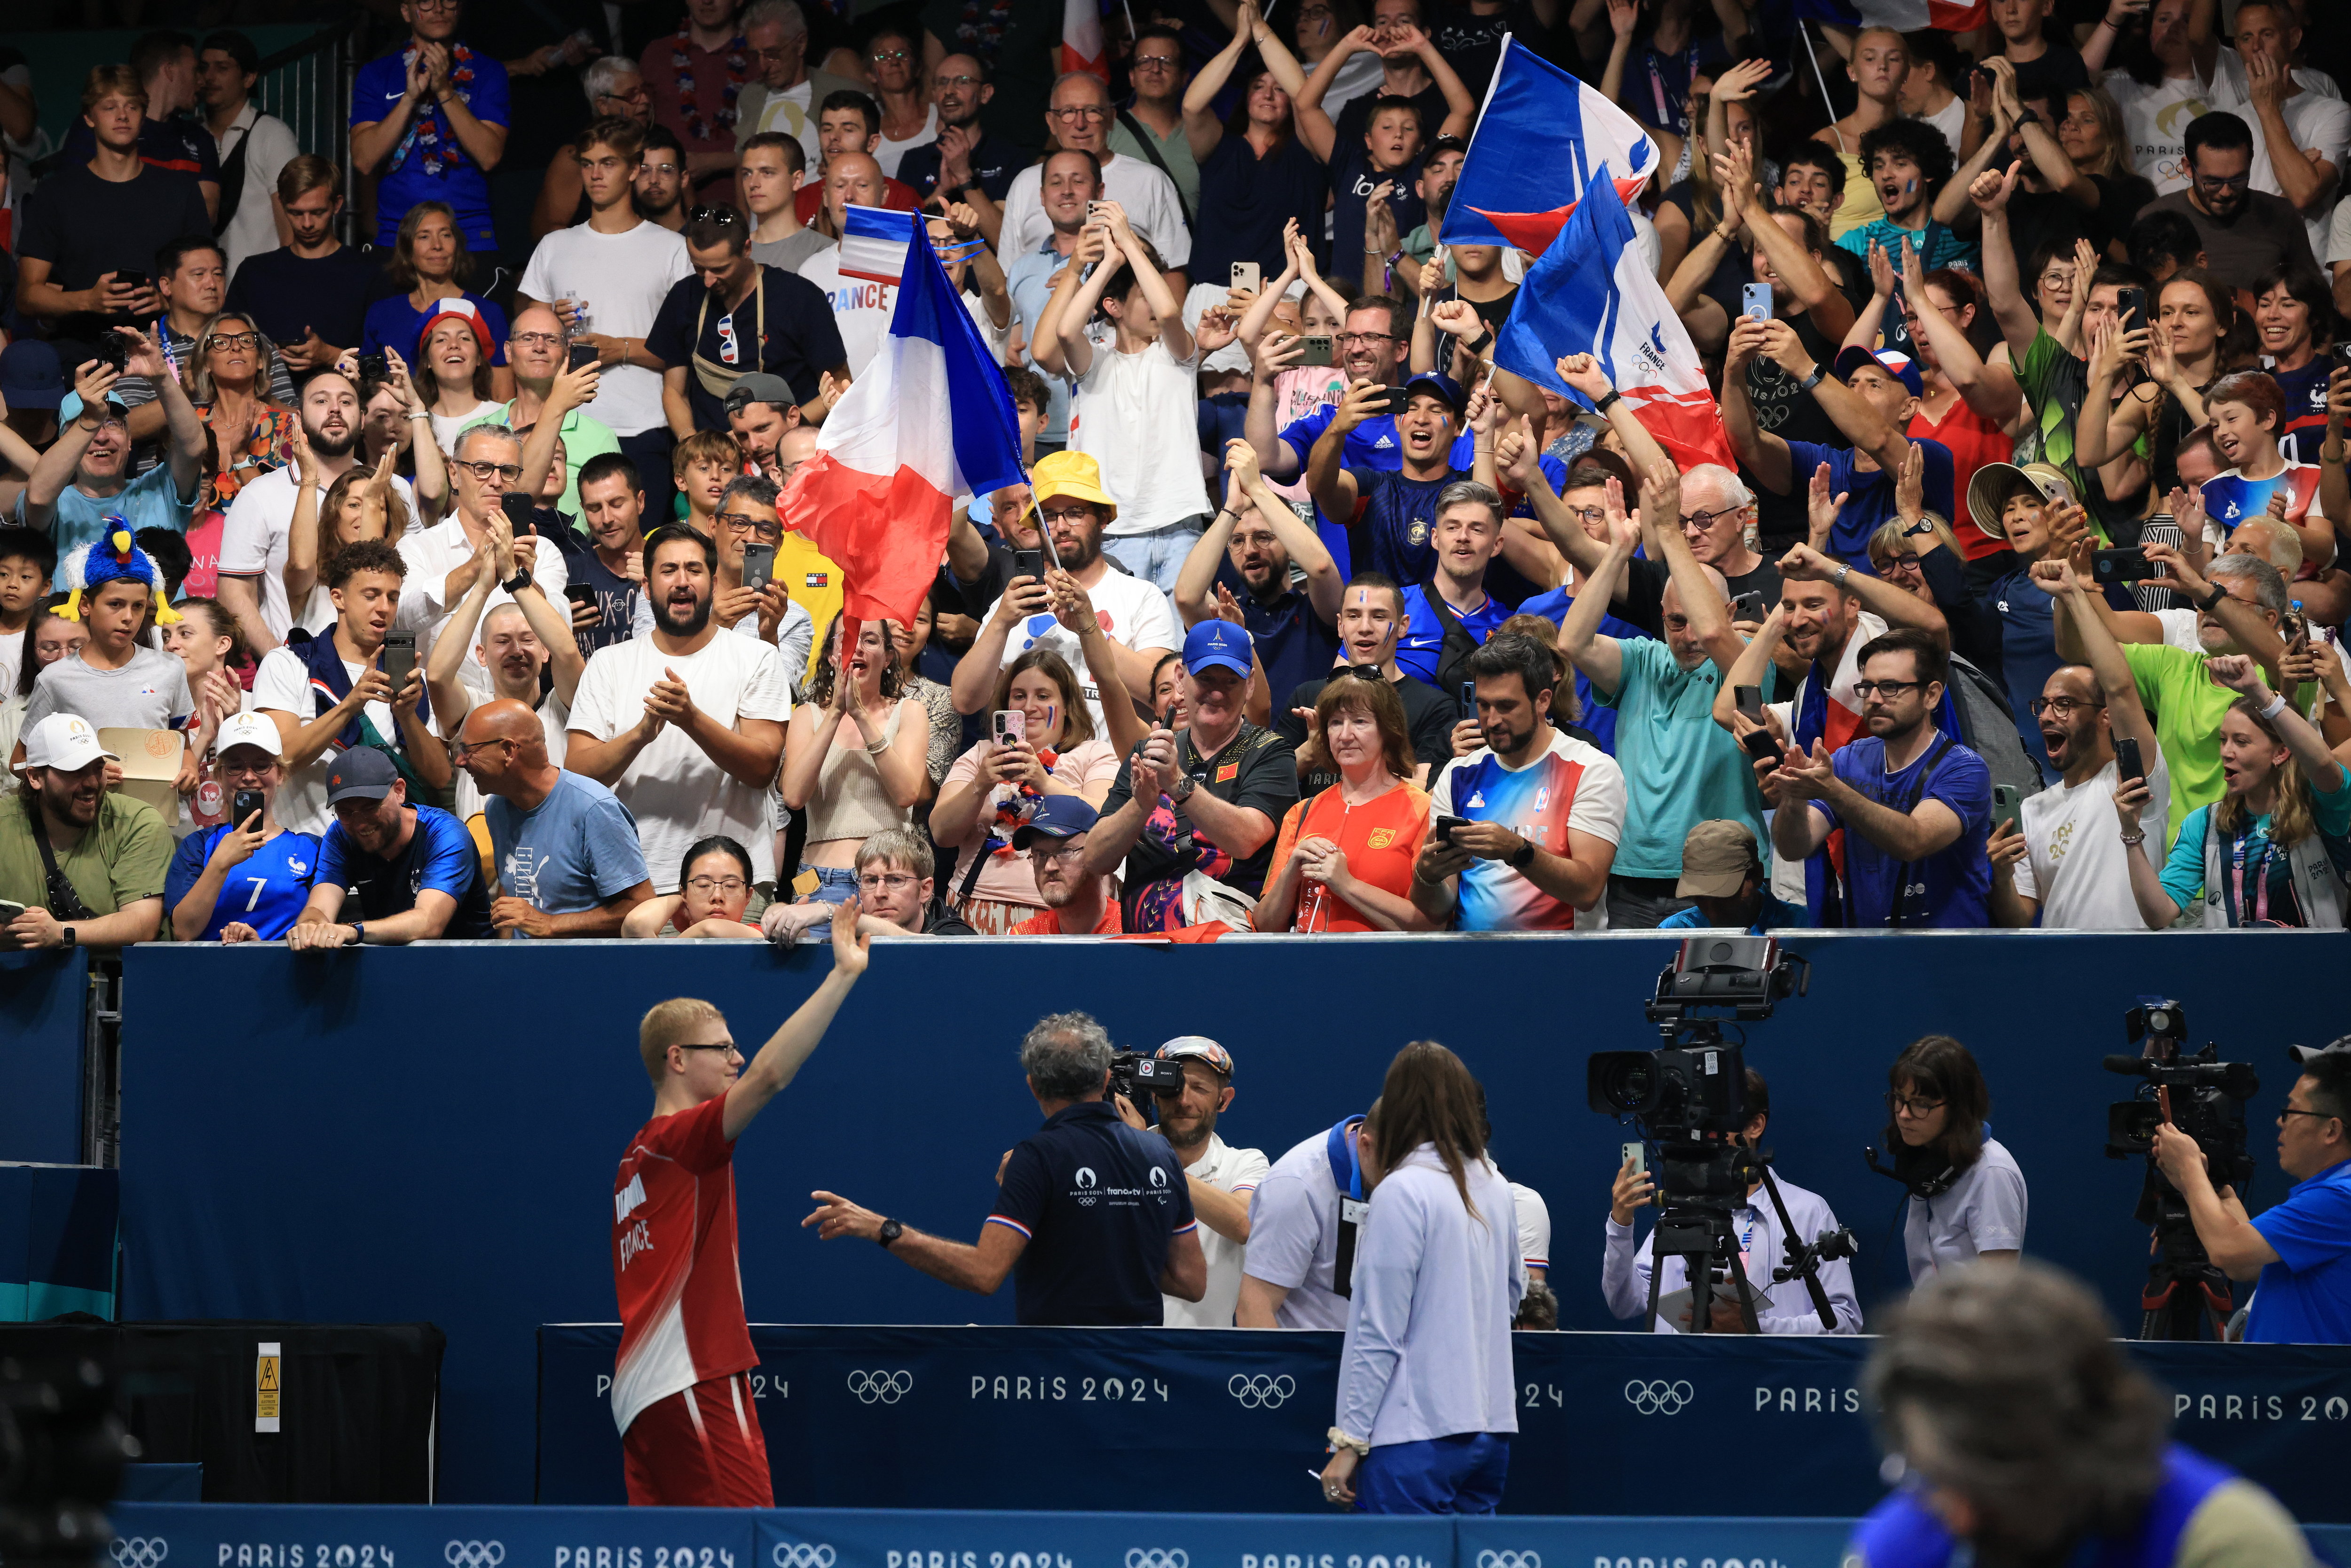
x: 375, y: 367
x: 1139, y: 1076
x: 113, y: 348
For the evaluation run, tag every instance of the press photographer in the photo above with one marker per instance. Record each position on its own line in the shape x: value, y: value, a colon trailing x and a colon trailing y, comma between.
x: 1095, y: 1219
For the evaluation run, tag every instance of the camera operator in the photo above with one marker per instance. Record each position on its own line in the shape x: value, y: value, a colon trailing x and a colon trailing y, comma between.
x: 1095, y: 1219
x: 2030, y: 1436
x: 1966, y: 1195
x: 1299, y: 1216
x: 1782, y: 1308
x: 1221, y: 1177
x: 2301, y: 1246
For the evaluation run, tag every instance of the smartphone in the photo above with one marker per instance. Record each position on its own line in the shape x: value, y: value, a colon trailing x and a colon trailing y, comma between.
x: 9, y: 910
x: 1469, y: 699
x: 2005, y: 801
x: 1755, y: 301
x: 1029, y: 563
x: 1637, y: 1156
x: 1444, y: 826
x: 1750, y: 702
x: 1247, y: 277
x: 1748, y: 606
x: 113, y: 351
x: 578, y: 356
x: 375, y: 367
x: 2122, y: 566
x: 1011, y: 727
x: 1764, y: 743
x: 1394, y: 400
x: 2130, y: 308
x: 399, y: 656
x: 2128, y: 765
x: 128, y: 278
x: 758, y: 565
x: 2294, y: 627
x: 580, y: 593
x: 522, y: 512
x: 243, y: 806
x: 1316, y: 349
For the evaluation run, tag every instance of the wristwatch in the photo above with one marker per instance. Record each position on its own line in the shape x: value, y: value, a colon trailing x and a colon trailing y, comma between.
x: 891, y: 1230
x: 1921, y: 527
x: 1842, y: 572
x: 1525, y: 856
x: 1181, y: 790
x: 2210, y: 601
x: 518, y: 582
x: 359, y: 932
x: 72, y: 937
x: 1819, y: 374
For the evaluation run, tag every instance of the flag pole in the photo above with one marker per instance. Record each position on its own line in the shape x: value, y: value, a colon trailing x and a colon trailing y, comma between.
x: 1826, y: 103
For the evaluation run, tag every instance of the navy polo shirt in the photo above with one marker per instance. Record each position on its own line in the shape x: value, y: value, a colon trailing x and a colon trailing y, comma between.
x: 1099, y: 1202
x: 1293, y: 643
x: 2028, y: 650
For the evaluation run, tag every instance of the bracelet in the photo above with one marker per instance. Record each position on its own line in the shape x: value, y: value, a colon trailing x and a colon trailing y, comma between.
x: 1612, y: 398
x: 359, y: 932
x: 2133, y: 840
x: 1339, y: 1440
x: 2277, y: 705
x: 419, y: 414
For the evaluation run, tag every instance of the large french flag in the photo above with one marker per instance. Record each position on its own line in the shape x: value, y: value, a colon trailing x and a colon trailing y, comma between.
x: 1541, y: 134
x: 1902, y: 15
x: 1591, y: 294
x: 930, y: 420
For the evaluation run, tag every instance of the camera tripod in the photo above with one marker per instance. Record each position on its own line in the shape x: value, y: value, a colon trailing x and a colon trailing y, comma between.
x: 2183, y: 1287
x: 1699, y: 1233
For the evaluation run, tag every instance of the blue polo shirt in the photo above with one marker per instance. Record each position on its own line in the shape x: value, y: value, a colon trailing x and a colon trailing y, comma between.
x: 1293, y: 643
x: 1422, y: 647
x: 2028, y: 650
x: 266, y: 891
x: 1869, y: 496
x: 2304, y: 1298
x: 1100, y: 1203
x: 481, y: 83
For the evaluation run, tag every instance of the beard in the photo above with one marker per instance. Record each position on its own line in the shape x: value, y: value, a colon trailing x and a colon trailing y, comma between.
x: 1082, y: 553
x: 654, y: 207
x: 332, y: 446
x: 666, y: 618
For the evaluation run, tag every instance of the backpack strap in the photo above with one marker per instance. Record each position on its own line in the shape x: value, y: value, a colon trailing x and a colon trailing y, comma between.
x: 1144, y: 139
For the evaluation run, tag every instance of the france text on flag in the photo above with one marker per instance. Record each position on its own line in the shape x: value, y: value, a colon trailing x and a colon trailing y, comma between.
x: 1541, y: 135
x: 1902, y: 15
x: 929, y: 420
x: 1590, y: 294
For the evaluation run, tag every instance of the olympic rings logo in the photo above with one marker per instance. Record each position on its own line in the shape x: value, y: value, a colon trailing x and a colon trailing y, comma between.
x: 1152, y: 1557
x: 1510, y: 1560
x: 879, y: 1389
x: 1260, y: 1393
x: 475, y: 1554
x: 801, y: 1554
x: 140, y: 1551
x: 1658, y: 1398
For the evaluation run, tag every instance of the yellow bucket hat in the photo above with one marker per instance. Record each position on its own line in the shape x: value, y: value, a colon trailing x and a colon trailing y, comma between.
x: 1074, y: 475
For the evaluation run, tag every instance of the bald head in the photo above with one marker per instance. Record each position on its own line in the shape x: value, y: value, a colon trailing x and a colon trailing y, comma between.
x: 854, y: 179
x: 504, y: 719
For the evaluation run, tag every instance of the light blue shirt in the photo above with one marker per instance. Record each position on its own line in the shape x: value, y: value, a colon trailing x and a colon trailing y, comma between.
x: 569, y: 853
x: 150, y: 501
x: 1029, y: 281
x: 1786, y: 1308
x: 1680, y: 768
x: 1983, y: 1211
x: 1429, y: 1329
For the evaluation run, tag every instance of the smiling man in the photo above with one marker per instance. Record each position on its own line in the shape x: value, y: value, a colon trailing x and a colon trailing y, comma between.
x: 414, y: 870
x: 1390, y: 512
x: 114, y: 852
x: 1372, y: 621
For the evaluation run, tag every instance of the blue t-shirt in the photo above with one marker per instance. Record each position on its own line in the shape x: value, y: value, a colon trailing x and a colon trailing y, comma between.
x: 1600, y: 720
x: 415, y: 172
x: 393, y: 322
x: 1681, y: 767
x: 1394, y: 519
x: 2306, y: 408
x: 1956, y: 879
x: 1100, y: 1203
x: 150, y: 501
x: 2028, y: 650
x: 266, y: 891
x: 1422, y: 647
x: 439, y: 856
x: 1869, y: 496
x: 2304, y: 1298
x: 568, y: 854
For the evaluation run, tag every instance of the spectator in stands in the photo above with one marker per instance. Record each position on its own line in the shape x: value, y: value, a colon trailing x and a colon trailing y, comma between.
x: 1727, y: 884
x: 686, y: 726
x: 453, y: 352
x: 252, y: 148
x: 1540, y: 813
x: 1966, y: 1195
x: 713, y: 897
x: 485, y: 463
x: 170, y: 136
x: 609, y: 562
x: 787, y: 92
x: 1260, y: 176
x: 1390, y: 512
x: 548, y: 394
x: 309, y: 296
x: 87, y: 862
x: 413, y: 869
x: 1075, y: 1263
x: 2303, y: 132
x: 84, y: 479
x: 1343, y: 859
x: 849, y: 135
x: 1371, y: 623
x: 192, y: 272
x: 1783, y: 1308
x: 897, y: 894
x: 114, y: 680
x: 1070, y: 183
x: 1078, y: 117
x: 48, y: 637
x: 746, y: 513
x: 1219, y: 1177
x: 565, y: 848
x: 2243, y: 232
x: 2027, y: 1433
x: 769, y: 175
x: 786, y: 328
x: 1261, y: 537
x: 661, y: 179
x: 861, y: 307
x: 1075, y: 896
x: 697, y: 75
x: 430, y: 123
x: 967, y: 161
x: 27, y: 560
x: 1290, y: 1278
x: 856, y: 756
x: 248, y: 427
x: 248, y: 879
x: 91, y: 229
x: 2297, y: 1247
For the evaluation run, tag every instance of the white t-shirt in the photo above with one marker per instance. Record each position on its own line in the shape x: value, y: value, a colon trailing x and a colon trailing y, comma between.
x: 2338, y: 234
x: 252, y: 538
x: 1236, y: 1171
x: 861, y: 308
x: 675, y: 790
x: 1951, y: 120
x: 622, y: 278
x: 12, y: 654
x: 890, y: 152
x: 434, y: 553
x: 2073, y: 850
x: 282, y: 684
x: 1138, y: 416
x: 2155, y: 124
x: 1131, y: 611
x: 1148, y: 196
x: 1535, y: 1226
x: 1982, y: 1212
x: 791, y: 112
x: 447, y: 427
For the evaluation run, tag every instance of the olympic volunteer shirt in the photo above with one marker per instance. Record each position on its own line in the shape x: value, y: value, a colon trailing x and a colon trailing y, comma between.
x: 1572, y: 784
x: 674, y: 1263
x: 1098, y: 1204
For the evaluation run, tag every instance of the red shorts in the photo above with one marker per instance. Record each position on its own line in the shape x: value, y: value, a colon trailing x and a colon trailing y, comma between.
x: 700, y: 1447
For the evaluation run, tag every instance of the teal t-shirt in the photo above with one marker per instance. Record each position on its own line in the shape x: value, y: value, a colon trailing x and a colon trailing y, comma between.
x: 2249, y: 863
x: 1681, y: 767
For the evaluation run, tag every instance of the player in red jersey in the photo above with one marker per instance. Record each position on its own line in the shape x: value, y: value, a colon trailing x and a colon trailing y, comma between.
x: 689, y: 1431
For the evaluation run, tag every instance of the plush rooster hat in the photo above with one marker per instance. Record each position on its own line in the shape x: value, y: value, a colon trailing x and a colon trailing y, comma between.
x: 109, y: 559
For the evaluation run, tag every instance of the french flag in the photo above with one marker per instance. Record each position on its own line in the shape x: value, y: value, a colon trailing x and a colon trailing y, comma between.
x: 1541, y: 130
x: 1591, y: 294
x: 1082, y: 38
x: 1902, y: 15
x: 930, y: 420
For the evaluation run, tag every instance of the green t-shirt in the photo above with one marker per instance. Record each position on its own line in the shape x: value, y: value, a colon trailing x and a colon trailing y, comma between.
x: 1681, y: 767
x: 2186, y: 705
x: 119, y: 859
x: 2055, y: 382
x: 582, y: 438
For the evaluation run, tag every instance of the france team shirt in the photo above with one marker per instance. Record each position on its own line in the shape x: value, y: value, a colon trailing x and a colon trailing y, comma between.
x: 418, y: 174
x: 266, y: 891
x: 1422, y: 647
x: 2229, y: 498
x: 1573, y: 784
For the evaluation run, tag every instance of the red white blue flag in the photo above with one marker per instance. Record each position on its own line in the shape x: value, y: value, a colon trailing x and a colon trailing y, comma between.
x: 1902, y: 15
x: 1541, y: 137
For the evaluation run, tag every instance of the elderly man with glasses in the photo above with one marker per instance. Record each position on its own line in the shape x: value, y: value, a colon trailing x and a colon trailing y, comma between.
x: 1078, y: 119
x: 563, y: 848
x: 537, y: 345
x: 443, y: 560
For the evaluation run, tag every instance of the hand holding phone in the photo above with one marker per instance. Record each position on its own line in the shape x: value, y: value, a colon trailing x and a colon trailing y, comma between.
x: 2007, y: 800
x: 2127, y: 764
x: 759, y: 566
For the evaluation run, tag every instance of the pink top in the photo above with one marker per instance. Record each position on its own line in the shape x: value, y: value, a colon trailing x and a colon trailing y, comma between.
x: 1007, y: 876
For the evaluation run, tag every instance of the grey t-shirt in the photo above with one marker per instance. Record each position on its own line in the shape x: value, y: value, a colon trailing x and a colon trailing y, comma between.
x: 151, y: 692
x: 788, y: 253
x: 1982, y: 1212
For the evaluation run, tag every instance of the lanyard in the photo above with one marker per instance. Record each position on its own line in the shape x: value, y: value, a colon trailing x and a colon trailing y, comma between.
x: 2240, y: 851
x: 1668, y: 115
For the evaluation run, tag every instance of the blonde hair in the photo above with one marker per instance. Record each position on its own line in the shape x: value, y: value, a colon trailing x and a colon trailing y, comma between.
x: 666, y: 1023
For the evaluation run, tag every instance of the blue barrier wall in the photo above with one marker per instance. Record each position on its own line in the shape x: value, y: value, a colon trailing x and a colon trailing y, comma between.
x: 58, y: 1226
x: 42, y: 1000
x: 430, y: 1133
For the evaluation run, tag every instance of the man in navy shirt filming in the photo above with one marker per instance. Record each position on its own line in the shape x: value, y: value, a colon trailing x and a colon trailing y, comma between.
x: 2301, y: 1246
x: 1094, y: 1220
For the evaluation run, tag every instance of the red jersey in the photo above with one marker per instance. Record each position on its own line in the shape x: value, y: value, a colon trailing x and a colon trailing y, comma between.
x: 674, y: 1260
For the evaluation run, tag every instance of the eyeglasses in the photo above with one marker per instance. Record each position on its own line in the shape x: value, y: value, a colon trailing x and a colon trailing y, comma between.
x: 726, y: 1049
x: 1067, y: 850
x: 2064, y: 707
x: 1587, y: 515
x: 706, y: 885
x: 1079, y: 111
x: 896, y: 881
x: 461, y: 749
x: 1705, y: 520
x: 1900, y: 1105
x: 1156, y: 63
x: 1906, y: 562
x: 1359, y: 340
x: 1068, y: 514
x: 963, y: 81
x: 2315, y: 1115
x: 2057, y: 278
x: 745, y: 523
x: 888, y: 57
x: 661, y: 171
x: 638, y: 94
x: 1864, y: 689
x: 2225, y: 182
x: 233, y: 340
x: 509, y: 472
x: 536, y: 339
x: 434, y: 5
x: 722, y: 216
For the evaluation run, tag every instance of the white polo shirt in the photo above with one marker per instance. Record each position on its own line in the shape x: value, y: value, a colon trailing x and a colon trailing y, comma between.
x: 1236, y: 1171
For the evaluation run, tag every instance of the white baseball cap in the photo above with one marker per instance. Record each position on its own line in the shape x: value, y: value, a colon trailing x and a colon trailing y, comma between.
x: 248, y: 729
x: 66, y: 741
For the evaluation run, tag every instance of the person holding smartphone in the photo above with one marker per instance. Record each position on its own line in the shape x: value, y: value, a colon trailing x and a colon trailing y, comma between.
x: 247, y: 879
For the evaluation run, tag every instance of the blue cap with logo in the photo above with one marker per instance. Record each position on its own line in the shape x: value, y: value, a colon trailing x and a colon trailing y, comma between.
x: 1218, y: 643
x: 1892, y: 361
x: 1442, y: 387
x: 359, y: 773
x: 1057, y: 817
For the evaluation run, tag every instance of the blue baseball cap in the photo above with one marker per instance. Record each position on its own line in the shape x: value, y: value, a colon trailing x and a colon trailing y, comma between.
x: 31, y: 375
x: 1900, y: 366
x: 1442, y: 387
x: 1057, y: 817
x: 1219, y: 643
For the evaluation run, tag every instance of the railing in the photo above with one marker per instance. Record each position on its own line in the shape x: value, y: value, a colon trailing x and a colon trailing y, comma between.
x: 308, y: 85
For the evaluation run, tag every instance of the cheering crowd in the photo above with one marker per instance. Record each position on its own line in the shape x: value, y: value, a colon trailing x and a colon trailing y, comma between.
x: 442, y: 586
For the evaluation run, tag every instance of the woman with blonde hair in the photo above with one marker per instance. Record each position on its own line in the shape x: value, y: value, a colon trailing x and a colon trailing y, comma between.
x: 856, y: 756
x: 1343, y: 859
x: 245, y: 432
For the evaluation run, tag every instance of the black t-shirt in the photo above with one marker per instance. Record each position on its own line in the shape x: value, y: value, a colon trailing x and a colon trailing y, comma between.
x: 1429, y: 715
x: 86, y: 227
x: 1254, y: 769
x: 1394, y: 519
x: 1472, y: 45
x: 1246, y: 199
x: 1100, y: 1203
x: 2058, y: 70
x: 616, y: 596
x: 1641, y: 601
x: 1354, y: 178
x: 800, y: 340
x: 177, y: 144
x: 286, y: 294
x: 1783, y: 408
